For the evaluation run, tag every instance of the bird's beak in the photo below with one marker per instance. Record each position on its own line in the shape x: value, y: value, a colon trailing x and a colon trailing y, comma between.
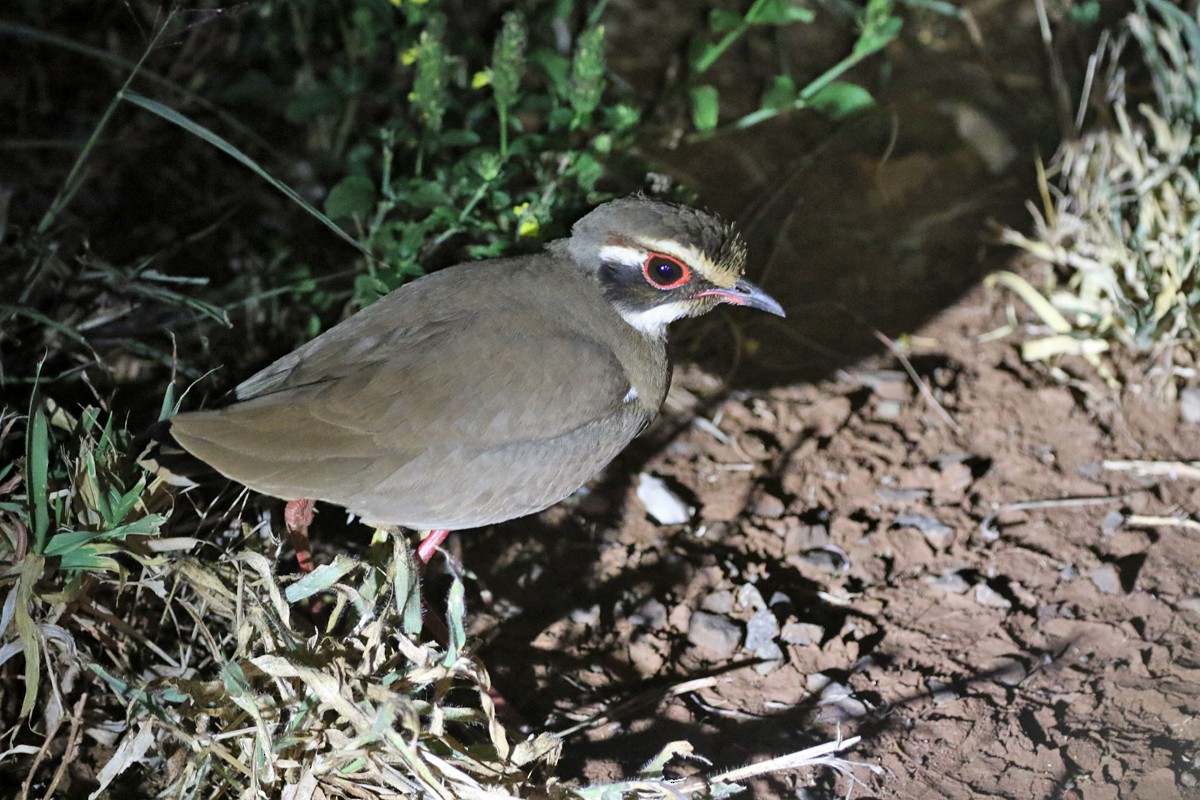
x: 745, y: 293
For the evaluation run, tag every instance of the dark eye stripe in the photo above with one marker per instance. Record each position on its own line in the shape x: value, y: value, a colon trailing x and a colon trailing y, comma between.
x: 665, y: 272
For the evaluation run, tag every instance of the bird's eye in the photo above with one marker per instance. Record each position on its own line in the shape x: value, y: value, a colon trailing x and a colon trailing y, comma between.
x: 665, y: 272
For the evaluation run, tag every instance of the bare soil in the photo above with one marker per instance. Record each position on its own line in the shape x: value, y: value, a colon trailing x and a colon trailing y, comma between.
x: 968, y: 576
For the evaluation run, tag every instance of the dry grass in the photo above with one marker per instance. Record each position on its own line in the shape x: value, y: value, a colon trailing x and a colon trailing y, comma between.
x: 1120, y: 218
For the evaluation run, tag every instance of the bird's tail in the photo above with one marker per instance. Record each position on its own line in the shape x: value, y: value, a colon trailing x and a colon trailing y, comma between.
x: 163, y: 456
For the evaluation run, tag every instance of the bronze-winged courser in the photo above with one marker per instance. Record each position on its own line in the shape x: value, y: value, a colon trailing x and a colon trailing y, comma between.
x: 488, y: 390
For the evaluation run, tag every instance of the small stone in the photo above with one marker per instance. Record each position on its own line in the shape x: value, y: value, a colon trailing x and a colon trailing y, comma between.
x: 769, y: 507
x: 1189, y: 404
x: 838, y: 703
x: 1008, y: 671
x: 779, y: 599
x: 938, y: 534
x: 888, y: 409
x: 1191, y: 604
x: 891, y: 496
x: 651, y: 614
x: 586, y: 616
x: 1112, y: 522
x: 662, y: 504
x: 987, y: 596
x: 715, y: 635
x: 952, y: 582
x: 941, y: 692
x: 831, y: 559
x: 750, y: 597
x: 718, y: 602
x: 802, y: 633
x: 1106, y: 578
x: 761, y: 630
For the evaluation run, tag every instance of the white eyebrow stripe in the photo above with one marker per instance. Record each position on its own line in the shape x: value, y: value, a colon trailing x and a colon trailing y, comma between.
x: 622, y: 255
x: 688, y: 255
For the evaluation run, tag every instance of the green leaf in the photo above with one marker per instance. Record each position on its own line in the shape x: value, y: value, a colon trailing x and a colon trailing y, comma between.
x: 588, y: 170
x: 777, y: 12
x: 780, y: 94
x: 705, y: 107
x: 458, y: 138
x: 320, y: 579
x: 352, y: 196
x: 722, y: 21
x: 173, y: 116
x: 37, y: 475
x: 839, y: 100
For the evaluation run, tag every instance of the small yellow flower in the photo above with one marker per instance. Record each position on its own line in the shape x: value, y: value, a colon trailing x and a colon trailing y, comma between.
x: 481, y: 79
x: 521, y: 209
x: 528, y: 228
x: 409, y: 56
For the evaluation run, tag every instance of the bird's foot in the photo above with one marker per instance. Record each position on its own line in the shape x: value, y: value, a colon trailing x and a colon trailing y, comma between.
x: 297, y: 516
x: 429, y: 545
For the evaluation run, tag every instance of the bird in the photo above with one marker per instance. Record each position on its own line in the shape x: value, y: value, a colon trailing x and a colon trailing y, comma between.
x: 485, y: 391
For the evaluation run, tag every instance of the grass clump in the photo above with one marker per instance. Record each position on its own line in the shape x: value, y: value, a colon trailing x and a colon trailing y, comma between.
x: 1120, y: 221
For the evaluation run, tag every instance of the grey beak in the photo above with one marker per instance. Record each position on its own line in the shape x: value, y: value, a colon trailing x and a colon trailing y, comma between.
x: 745, y: 293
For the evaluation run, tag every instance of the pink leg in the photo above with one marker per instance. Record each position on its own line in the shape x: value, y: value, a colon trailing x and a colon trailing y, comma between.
x: 297, y: 516
x: 429, y: 545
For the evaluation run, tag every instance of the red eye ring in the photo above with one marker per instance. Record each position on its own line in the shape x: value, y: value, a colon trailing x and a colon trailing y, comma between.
x: 665, y: 272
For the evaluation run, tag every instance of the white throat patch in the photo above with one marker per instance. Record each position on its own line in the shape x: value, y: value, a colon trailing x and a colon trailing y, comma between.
x: 653, y: 321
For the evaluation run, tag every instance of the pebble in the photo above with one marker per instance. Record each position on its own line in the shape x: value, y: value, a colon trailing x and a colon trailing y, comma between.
x: 941, y: 692
x: 831, y: 559
x: 952, y: 582
x: 1112, y: 522
x: 750, y: 597
x: 987, y: 596
x: 651, y: 613
x: 888, y: 409
x: 937, y: 533
x: 761, y: 630
x: 1106, y: 578
x: 838, y: 703
x: 769, y: 507
x: 1008, y: 671
x: 716, y: 635
x: 802, y: 633
x: 718, y: 602
x: 1189, y: 404
x: 1191, y: 604
x: 662, y: 504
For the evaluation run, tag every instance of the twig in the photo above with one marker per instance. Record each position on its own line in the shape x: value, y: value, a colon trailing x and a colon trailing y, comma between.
x: 68, y: 756
x: 1156, y: 521
x: 1061, y: 502
x: 922, y: 386
x: 1171, y: 469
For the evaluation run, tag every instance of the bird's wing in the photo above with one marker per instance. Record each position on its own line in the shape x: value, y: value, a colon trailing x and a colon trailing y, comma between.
x: 475, y: 382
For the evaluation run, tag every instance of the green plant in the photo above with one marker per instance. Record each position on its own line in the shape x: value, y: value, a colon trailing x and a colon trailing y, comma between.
x: 80, y: 512
x: 878, y: 25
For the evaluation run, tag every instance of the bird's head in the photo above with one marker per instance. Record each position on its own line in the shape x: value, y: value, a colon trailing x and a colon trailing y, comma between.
x: 658, y: 262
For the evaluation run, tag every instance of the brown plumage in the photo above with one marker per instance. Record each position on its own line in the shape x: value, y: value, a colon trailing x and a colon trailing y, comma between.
x: 486, y: 391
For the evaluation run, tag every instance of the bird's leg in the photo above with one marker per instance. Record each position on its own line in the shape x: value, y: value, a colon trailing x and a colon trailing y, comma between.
x: 436, y: 624
x: 429, y: 545
x: 297, y: 516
